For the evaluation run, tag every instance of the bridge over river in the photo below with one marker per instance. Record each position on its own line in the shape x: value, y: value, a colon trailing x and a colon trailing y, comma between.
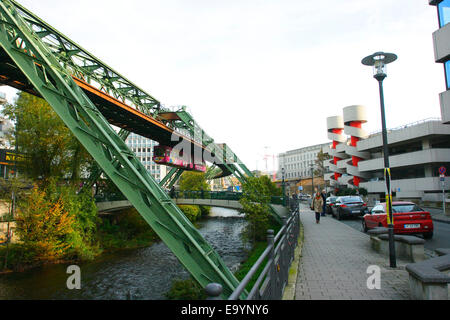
x: 223, y: 199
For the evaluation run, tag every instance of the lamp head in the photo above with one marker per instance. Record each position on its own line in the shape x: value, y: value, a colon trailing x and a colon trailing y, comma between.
x: 378, y: 61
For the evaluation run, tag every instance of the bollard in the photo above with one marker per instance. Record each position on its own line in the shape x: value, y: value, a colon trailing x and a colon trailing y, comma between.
x: 213, y: 291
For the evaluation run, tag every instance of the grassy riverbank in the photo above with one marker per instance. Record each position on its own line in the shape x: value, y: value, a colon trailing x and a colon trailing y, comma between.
x: 190, y: 290
x: 122, y: 230
x: 254, y: 254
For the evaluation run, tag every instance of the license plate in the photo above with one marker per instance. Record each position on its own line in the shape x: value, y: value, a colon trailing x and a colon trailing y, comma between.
x: 355, y: 211
x: 412, y: 226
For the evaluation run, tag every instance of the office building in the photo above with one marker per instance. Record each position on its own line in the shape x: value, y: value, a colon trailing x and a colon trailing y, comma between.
x: 143, y: 148
x: 297, y: 163
x: 441, y: 44
x: 416, y: 152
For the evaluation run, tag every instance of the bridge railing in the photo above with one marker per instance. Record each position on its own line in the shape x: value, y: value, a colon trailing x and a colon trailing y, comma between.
x: 277, y: 257
x: 109, y: 197
x: 214, y: 195
x: 217, y: 195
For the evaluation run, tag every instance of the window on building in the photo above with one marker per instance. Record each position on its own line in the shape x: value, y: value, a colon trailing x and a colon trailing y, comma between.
x: 444, y: 12
x: 447, y: 73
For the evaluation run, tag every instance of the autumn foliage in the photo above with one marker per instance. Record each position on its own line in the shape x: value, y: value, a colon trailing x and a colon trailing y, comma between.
x: 43, y: 226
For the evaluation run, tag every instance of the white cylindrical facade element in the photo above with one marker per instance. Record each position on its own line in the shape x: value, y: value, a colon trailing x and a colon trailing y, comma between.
x: 354, y: 117
x: 335, y: 126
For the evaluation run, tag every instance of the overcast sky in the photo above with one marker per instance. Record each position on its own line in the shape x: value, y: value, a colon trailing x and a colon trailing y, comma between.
x: 259, y: 74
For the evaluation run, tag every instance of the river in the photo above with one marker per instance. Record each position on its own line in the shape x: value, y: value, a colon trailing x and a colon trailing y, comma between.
x: 145, y: 273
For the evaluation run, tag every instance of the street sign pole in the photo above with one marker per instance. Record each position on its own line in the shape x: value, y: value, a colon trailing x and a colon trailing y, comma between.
x: 442, y: 171
x: 442, y: 178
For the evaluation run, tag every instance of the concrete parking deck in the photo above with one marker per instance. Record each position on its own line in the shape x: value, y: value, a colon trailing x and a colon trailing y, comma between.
x: 334, y: 262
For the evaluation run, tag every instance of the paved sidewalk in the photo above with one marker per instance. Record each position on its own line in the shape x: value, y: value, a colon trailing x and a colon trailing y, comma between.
x: 437, y: 214
x: 334, y: 262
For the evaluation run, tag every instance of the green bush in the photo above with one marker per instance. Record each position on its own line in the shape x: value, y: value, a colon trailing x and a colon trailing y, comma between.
x: 126, y: 229
x: 191, y: 212
x: 55, y: 223
x: 255, y: 203
x: 81, y: 206
x: 186, y: 290
x: 205, y: 210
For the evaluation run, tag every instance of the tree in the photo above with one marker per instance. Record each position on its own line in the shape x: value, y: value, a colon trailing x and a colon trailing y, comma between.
x: 255, y: 202
x: 56, y: 223
x: 320, y: 163
x: 274, y: 190
x: 193, y: 181
x: 49, y: 147
x: 44, y: 226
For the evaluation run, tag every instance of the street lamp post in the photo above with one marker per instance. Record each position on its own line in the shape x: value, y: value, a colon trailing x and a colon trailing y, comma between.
x: 379, y: 60
x: 312, y: 180
x: 283, y: 186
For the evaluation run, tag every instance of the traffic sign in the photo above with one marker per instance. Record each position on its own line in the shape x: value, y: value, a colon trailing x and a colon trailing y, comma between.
x: 442, y: 170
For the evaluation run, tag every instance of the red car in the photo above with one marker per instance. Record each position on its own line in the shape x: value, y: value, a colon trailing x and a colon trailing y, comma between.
x: 409, y: 218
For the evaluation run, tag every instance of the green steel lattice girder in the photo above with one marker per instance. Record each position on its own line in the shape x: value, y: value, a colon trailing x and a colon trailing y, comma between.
x: 175, y: 178
x: 56, y: 86
x: 96, y: 171
x: 86, y: 66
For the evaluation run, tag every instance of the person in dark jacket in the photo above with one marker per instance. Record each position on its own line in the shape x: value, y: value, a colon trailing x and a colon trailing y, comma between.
x: 324, y: 197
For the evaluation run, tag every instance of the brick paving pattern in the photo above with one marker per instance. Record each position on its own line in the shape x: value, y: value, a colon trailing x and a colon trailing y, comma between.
x: 334, y: 263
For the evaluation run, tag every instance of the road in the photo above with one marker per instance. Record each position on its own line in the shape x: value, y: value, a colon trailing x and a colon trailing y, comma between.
x: 441, y: 237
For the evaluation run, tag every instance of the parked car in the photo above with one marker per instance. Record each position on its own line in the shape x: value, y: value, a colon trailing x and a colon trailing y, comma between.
x: 348, y: 206
x: 304, y: 197
x: 409, y: 218
x: 329, y: 204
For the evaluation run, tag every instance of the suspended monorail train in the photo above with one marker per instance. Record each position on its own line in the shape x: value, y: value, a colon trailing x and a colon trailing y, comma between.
x: 164, y: 155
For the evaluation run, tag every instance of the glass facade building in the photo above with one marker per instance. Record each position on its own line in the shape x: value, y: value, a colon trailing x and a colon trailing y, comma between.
x: 441, y: 46
x: 443, y: 12
x: 443, y: 9
x: 143, y: 148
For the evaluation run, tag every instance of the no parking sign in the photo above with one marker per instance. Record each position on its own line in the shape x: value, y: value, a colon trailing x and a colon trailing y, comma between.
x: 442, y: 171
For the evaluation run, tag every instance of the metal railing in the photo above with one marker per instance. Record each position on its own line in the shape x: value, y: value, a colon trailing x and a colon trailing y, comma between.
x: 431, y: 119
x: 277, y: 257
x: 105, y: 197
x: 213, y: 195
x: 217, y: 195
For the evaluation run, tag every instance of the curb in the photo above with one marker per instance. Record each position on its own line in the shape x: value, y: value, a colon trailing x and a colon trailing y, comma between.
x: 289, y: 290
x: 440, y: 220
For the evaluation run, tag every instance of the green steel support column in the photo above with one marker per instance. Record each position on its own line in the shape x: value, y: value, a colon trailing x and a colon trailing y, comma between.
x: 210, y: 172
x: 96, y: 170
x: 167, y: 177
x: 56, y: 86
x: 175, y: 179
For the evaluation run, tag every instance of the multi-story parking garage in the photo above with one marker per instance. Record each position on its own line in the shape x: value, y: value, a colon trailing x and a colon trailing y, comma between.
x: 416, y: 152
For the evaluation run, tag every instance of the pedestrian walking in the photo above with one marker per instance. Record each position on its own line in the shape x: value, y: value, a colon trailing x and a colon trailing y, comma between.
x: 324, y: 205
x: 317, y: 205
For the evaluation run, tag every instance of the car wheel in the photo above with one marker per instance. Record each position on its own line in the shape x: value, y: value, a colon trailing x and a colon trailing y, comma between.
x: 428, y: 235
x: 364, y: 226
x: 339, y: 215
